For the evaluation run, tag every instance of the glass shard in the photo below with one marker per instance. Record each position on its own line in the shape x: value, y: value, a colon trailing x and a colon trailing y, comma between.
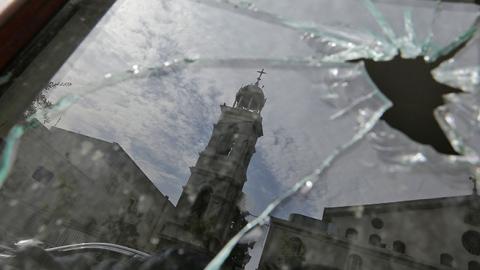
x: 462, y: 71
x: 459, y: 119
x: 443, y: 38
x: 407, y: 44
x: 381, y: 20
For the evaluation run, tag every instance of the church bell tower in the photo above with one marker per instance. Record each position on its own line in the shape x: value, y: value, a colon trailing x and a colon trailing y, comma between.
x: 208, y: 206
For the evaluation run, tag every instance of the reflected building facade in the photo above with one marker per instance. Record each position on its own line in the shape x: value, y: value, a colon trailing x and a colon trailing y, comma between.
x: 441, y: 233
x: 69, y: 188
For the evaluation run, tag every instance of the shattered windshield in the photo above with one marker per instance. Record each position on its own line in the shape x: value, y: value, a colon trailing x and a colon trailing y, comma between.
x: 225, y: 134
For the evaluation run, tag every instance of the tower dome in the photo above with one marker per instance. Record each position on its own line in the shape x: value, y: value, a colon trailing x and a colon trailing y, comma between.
x: 251, y: 97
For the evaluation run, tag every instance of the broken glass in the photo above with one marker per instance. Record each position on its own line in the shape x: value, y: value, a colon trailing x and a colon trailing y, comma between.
x: 323, y: 143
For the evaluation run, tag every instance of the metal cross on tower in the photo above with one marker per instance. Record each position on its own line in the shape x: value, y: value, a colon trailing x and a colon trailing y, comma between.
x: 260, y: 76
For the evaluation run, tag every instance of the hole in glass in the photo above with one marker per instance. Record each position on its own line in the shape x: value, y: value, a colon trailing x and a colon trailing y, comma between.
x: 409, y: 84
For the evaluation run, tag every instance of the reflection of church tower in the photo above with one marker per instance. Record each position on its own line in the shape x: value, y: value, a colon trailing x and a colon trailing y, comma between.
x: 208, y: 204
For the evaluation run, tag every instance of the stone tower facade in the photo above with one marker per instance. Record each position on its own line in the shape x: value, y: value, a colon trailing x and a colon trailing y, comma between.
x: 208, y: 209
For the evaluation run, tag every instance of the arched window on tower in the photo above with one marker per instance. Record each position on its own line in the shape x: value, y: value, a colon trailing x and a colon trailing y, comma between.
x: 354, y: 262
x: 226, y: 141
x: 200, y: 205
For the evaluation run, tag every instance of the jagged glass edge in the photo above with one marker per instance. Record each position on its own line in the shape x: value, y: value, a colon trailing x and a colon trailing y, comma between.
x: 407, y: 44
x: 446, y: 119
x: 431, y: 54
x: 467, y: 77
x: 381, y: 21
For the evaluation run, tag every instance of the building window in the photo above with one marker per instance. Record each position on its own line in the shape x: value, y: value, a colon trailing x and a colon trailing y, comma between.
x: 354, y: 262
x: 473, y: 265
x: 471, y: 242
x: 351, y: 234
x: 296, y: 246
x: 200, y: 205
x: 446, y: 259
x: 399, y: 246
x: 375, y: 240
x: 226, y: 141
x: 377, y: 223
x: 132, y: 205
x: 42, y: 175
x: 224, y: 144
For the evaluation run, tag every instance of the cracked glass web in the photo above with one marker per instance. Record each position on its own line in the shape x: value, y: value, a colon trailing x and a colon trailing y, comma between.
x: 324, y: 144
